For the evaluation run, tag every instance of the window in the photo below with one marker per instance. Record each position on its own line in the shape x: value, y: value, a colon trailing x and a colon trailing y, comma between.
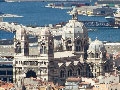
x: 50, y: 49
x: 78, y: 42
x: 69, y: 73
x: 45, y: 63
x: 62, y: 73
x: 18, y: 47
x: 69, y: 48
x: 78, y: 45
x: 16, y: 62
x: 45, y: 70
x: 43, y: 48
x: 96, y: 55
x: 77, y: 48
x: 44, y: 79
x: 78, y: 71
x: 50, y: 43
x: 9, y: 73
x: 69, y: 41
x: 92, y: 55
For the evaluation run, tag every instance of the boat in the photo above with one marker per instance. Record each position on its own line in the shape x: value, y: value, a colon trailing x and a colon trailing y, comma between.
x: 50, y: 5
x: 55, y: 5
x: 110, y: 19
x: 116, y: 27
x: 10, y: 1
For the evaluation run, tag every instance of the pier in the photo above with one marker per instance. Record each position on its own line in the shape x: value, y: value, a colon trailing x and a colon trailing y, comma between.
x: 13, y: 27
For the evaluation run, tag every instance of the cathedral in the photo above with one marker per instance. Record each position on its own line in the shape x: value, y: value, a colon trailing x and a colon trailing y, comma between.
x: 61, y: 52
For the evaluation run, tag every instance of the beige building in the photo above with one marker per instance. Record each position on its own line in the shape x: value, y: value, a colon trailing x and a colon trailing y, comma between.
x: 113, y: 86
x: 70, y: 54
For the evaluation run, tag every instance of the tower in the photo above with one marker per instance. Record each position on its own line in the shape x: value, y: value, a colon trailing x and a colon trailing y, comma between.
x: 96, y: 56
x: 21, y: 48
x: 75, y: 35
x: 21, y: 44
x: 46, y: 52
x: 101, y: 63
x: 45, y: 43
x: 36, y: 66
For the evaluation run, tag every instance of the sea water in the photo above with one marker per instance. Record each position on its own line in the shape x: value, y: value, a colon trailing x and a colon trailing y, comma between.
x: 35, y: 13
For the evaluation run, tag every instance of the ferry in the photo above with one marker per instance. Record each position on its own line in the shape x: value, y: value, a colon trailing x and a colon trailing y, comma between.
x: 110, y: 19
x: 10, y: 15
x: 55, y: 5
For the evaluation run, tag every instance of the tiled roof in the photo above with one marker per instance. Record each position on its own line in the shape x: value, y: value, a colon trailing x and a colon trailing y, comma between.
x: 73, y: 79
x: 7, y: 86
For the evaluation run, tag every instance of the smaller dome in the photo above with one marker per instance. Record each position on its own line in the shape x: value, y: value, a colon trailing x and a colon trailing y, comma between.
x: 96, y: 46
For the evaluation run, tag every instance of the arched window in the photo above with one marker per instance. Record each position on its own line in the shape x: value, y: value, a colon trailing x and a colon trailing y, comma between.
x: 92, y: 55
x: 105, y: 68
x: 96, y: 55
x: 69, y: 45
x: 69, y: 72
x: 69, y: 41
x: 78, y: 42
x: 78, y: 71
x: 78, y: 45
x: 18, y: 47
x: 26, y: 48
x: 43, y: 48
x: 31, y: 74
x: 50, y: 48
x: 62, y: 74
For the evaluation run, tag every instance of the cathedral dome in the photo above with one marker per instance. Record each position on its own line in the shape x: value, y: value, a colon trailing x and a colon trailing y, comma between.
x: 96, y: 46
x: 74, y: 26
x: 74, y: 23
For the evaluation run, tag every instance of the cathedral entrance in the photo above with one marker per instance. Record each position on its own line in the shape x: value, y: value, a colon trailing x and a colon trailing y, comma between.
x: 31, y: 74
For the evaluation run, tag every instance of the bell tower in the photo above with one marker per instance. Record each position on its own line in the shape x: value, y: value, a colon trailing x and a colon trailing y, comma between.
x: 45, y: 43
x: 21, y: 44
x: 21, y: 49
x: 46, y: 52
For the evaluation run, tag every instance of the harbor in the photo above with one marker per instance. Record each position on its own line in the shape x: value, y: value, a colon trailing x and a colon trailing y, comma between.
x: 55, y: 48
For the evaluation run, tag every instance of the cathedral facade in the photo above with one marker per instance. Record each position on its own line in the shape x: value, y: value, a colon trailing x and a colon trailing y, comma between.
x: 67, y: 54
